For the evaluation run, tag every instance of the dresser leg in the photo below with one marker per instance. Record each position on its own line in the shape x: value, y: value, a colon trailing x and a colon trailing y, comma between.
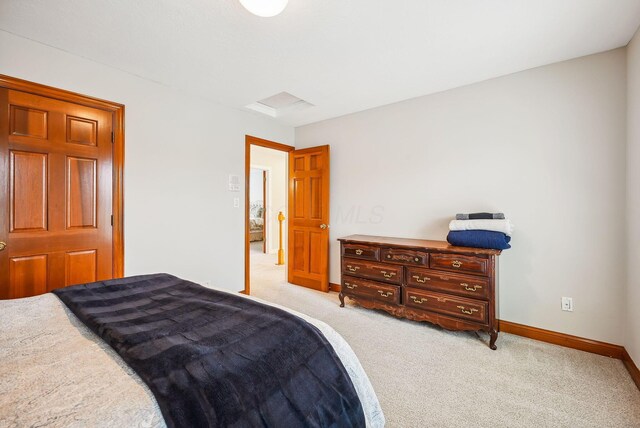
x: 341, y: 296
x: 494, y: 337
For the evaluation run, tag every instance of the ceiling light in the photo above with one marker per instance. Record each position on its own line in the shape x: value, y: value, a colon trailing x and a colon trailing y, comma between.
x: 265, y: 8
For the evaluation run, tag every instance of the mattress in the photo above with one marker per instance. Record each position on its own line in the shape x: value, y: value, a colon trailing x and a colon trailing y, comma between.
x: 56, y: 372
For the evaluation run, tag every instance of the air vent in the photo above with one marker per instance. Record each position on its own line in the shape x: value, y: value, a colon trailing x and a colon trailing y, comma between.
x: 279, y: 104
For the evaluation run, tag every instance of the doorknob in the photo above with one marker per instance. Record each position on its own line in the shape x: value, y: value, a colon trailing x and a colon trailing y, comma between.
x: 3, y: 245
x: 324, y: 226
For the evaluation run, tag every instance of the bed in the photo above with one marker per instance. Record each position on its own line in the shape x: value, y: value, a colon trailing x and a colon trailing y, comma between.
x: 256, y: 221
x: 56, y: 371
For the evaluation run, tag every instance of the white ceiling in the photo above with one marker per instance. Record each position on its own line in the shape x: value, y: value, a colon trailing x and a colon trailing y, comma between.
x: 342, y: 56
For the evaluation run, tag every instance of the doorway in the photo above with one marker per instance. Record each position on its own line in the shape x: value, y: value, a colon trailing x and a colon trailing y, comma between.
x: 266, y: 178
x: 305, y: 234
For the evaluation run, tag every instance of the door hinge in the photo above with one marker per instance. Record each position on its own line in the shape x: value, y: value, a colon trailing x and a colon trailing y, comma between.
x: 113, y: 137
x: 111, y: 219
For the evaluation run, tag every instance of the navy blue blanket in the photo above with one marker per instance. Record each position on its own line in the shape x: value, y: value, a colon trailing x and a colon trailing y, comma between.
x: 216, y: 359
x: 479, y: 239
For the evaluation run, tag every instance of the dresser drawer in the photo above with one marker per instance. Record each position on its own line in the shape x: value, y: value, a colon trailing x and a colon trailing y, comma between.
x: 371, y: 290
x: 359, y: 251
x: 463, y: 285
x: 378, y: 271
x: 458, y: 263
x: 407, y: 257
x: 460, y: 307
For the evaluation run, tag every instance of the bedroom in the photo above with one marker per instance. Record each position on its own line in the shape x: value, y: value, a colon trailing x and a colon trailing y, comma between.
x: 531, y: 110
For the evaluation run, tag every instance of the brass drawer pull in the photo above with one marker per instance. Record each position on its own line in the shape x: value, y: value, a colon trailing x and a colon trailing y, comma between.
x: 421, y: 280
x: 359, y: 252
x: 415, y: 299
x: 468, y: 312
x: 456, y: 263
x: 466, y: 287
x: 385, y: 293
x: 387, y: 275
x: 353, y: 268
x: 349, y: 286
x: 416, y: 259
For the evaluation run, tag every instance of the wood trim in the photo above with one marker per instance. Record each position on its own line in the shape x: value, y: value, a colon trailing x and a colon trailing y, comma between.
x: 575, y: 342
x: 264, y: 212
x: 631, y: 367
x: 335, y: 287
x: 118, y: 193
x: 117, y: 110
x: 566, y: 340
x: 59, y: 94
x: 268, y: 144
x: 250, y: 140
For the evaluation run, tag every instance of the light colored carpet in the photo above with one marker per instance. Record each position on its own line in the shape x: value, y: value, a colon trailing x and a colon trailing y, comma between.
x: 427, y: 377
x: 256, y: 247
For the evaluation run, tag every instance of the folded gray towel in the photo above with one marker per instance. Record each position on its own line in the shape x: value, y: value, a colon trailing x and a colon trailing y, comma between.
x: 480, y: 216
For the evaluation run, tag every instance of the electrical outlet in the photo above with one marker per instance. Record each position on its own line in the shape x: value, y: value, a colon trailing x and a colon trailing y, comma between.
x: 236, y: 202
x: 567, y: 304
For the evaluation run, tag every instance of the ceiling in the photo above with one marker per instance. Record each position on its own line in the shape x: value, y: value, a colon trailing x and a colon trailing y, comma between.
x: 341, y: 56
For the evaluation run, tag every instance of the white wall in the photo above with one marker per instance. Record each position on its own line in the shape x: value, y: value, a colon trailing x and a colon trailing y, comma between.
x: 546, y: 146
x: 179, y: 150
x: 633, y: 198
x: 255, y: 180
x: 277, y: 163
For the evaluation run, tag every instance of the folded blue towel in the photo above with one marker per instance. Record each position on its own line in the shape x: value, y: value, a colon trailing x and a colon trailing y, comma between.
x: 479, y: 239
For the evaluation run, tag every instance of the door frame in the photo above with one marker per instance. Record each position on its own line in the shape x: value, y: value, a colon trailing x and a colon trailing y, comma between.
x: 117, y: 160
x: 249, y: 141
x: 264, y: 211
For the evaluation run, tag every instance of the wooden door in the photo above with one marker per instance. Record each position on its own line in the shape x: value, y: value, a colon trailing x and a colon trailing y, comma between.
x: 308, y: 255
x: 55, y: 194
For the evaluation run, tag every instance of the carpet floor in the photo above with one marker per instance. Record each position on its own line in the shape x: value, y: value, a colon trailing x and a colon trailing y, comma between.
x: 425, y: 376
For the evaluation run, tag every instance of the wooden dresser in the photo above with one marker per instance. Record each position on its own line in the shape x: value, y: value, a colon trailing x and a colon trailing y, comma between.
x: 453, y: 287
